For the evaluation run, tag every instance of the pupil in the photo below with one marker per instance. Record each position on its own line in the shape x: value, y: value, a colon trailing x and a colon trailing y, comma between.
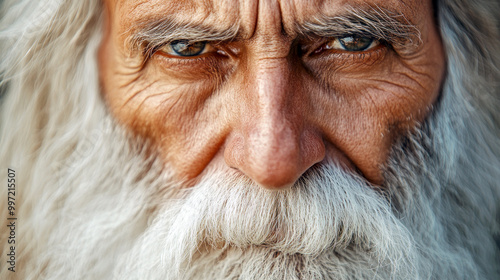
x: 184, y: 48
x: 355, y: 43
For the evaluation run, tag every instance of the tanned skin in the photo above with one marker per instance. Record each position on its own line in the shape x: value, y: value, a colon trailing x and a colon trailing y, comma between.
x: 271, y: 101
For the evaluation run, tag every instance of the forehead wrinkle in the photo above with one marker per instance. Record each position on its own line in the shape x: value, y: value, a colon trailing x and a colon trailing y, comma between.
x: 247, y: 12
x: 309, y: 9
x: 289, y: 16
x: 269, y: 18
x: 215, y: 16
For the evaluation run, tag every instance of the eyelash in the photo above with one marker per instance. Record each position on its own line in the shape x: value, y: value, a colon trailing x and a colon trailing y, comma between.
x: 206, y: 64
x: 370, y: 54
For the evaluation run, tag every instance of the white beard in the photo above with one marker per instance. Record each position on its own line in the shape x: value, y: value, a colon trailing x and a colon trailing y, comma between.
x: 117, y: 213
x: 228, y: 227
x: 114, y: 214
x: 90, y: 205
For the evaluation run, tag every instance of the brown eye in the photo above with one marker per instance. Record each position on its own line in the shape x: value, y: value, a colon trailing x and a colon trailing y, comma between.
x: 184, y: 48
x: 352, y: 44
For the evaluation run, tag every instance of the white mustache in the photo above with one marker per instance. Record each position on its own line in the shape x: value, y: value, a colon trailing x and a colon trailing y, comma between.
x: 328, y: 209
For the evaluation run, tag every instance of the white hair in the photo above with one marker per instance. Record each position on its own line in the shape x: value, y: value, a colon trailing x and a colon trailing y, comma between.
x: 91, y: 204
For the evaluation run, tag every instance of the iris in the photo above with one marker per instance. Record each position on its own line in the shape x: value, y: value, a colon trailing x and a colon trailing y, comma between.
x: 184, y: 48
x: 352, y: 43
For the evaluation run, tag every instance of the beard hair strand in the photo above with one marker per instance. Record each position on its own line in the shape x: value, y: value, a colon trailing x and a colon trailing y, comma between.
x: 328, y: 212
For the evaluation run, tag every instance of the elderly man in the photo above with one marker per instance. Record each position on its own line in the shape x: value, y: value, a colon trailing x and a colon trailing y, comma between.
x: 259, y: 139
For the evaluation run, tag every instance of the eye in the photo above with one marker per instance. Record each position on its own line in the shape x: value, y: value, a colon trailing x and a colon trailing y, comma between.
x: 352, y: 44
x: 183, y: 48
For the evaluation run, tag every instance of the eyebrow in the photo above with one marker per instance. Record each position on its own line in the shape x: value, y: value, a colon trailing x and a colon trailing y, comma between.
x: 154, y: 33
x: 374, y: 22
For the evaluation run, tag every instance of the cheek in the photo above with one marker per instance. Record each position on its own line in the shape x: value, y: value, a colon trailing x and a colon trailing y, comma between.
x: 179, y: 114
x: 189, y: 111
x: 395, y: 93
x: 363, y: 110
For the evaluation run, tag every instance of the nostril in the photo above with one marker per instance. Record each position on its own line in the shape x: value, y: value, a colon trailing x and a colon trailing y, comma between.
x: 234, y: 152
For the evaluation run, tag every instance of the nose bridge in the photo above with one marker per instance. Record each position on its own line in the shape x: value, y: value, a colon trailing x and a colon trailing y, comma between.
x: 271, y: 145
x: 268, y: 59
x: 270, y: 87
x: 271, y: 141
x: 274, y: 129
x: 272, y: 133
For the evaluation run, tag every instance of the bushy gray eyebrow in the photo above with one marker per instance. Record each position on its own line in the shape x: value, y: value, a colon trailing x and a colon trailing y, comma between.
x: 372, y: 22
x: 151, y: 34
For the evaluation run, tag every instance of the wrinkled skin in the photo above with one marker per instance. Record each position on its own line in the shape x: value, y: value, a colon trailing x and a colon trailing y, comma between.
x: 272, y: 102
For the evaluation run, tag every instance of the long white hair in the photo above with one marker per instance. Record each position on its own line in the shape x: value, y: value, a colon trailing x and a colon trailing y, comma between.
x: 91, y: 205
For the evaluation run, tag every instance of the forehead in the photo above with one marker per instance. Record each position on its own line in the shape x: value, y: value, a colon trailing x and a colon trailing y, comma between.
x: 246, y: 14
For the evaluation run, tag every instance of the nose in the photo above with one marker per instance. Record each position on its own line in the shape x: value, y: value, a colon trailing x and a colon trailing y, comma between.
x: 272, y: 142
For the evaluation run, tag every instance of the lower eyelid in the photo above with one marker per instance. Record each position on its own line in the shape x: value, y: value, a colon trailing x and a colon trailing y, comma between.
x: 211, y: 56
x: 366, y: 58
x: 340, y: 52
x: 204, y: 65
x: 176, y: 59
x: 349, y: 61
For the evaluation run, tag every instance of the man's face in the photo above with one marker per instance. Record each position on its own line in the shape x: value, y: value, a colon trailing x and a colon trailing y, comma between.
x: 270, y: 88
